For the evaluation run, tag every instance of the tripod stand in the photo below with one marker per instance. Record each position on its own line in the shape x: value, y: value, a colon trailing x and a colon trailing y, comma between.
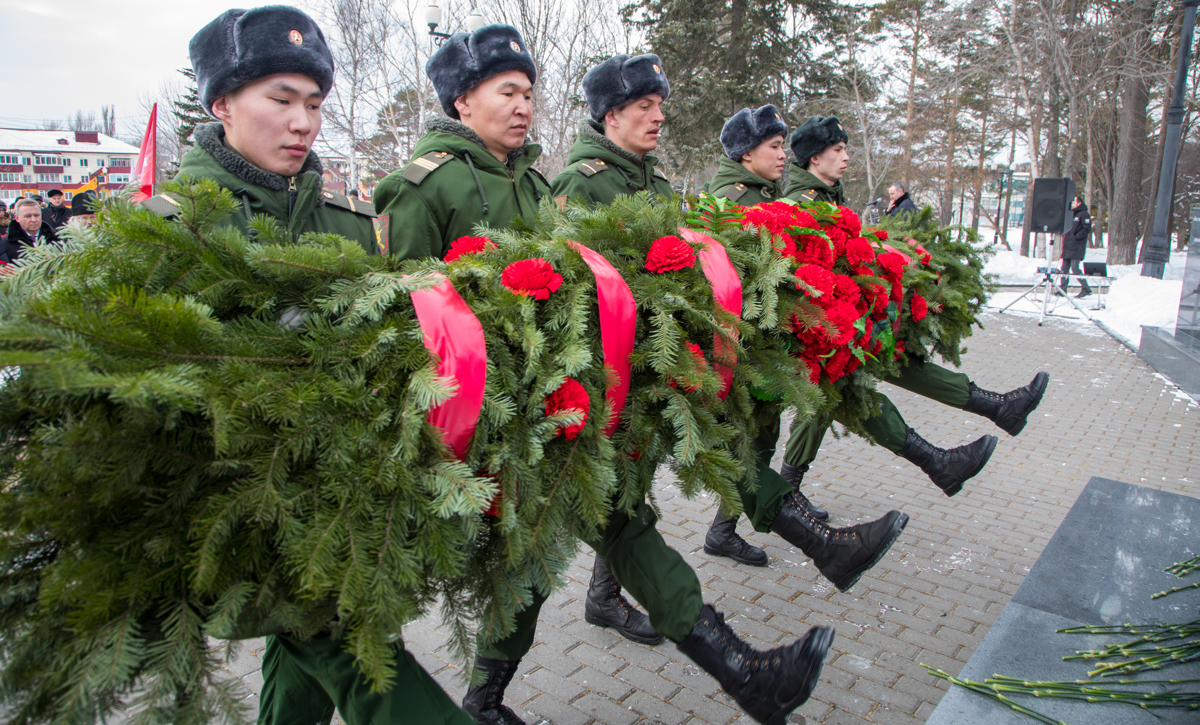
x: 1048, y: 288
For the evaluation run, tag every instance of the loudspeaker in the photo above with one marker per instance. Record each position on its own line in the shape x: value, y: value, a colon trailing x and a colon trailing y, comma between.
x: 1051, y: 211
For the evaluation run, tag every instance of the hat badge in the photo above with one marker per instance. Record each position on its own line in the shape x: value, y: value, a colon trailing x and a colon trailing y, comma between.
x: 295, y: 37
x: 778, y: 117
x: 515, y: 46
x: 657, y: 69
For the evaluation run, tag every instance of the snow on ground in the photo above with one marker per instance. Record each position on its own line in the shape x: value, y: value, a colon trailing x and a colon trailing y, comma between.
x: 1131, y: 301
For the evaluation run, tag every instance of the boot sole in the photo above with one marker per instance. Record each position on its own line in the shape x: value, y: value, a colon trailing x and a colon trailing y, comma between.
x: 740, y: 559
x: 992, y: 441
x: 818, y: 649
x: 847, y: 582
x: 1040, y: 382
x: 624, y: 633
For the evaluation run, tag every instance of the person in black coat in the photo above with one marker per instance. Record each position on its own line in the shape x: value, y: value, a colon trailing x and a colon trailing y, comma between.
x: 901, y: 203
x: 57, y: 214
x: 1074, y: 247
x: 26, y: 229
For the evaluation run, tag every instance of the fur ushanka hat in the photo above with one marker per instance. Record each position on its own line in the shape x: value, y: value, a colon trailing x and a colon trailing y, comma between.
x: 815, y: 135
x: 467, y: 59
x: 241, y: 46
x: 622, y: 79
x: 747, y: 129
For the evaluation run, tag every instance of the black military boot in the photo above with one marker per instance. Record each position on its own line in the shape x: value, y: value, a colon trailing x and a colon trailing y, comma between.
x: 485, y: 703
x: 795, y: 475
x: 722, y: 540
x: 768, y: 685
x: 1008, y: 410
x: 948, y: 468
x: 842, y: 555
x: 607, y: 607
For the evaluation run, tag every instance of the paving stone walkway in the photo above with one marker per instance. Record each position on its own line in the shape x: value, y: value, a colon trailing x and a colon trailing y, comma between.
x: 933, y: 597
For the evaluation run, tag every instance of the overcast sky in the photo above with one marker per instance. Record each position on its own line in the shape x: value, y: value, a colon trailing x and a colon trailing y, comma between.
x: 63, y: 55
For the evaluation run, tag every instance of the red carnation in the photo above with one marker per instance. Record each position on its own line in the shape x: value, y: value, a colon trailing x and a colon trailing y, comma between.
x: 533, y: 277
x: 846, y: 289
x: 920, y: 308
x: 468, y: 245
x: 698, y: 356
x: 880, y: 234
x: 897, y: 292
x: 815, y: 250
x: 569, y: 396
x: 843, y: 317
x: 899, y: 349
x: 849, y: 221
x: 878, y: 297
x: 925, y: 256
x: 859, y: 251
x: 838, y: 237
x: 817, y: 277
x: 668, y: 254
x: 893, y: 265
x: 814, y: 369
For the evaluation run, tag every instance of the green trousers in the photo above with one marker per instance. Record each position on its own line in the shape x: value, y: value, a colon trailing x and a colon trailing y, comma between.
x: 304, y: 681
x: 887, y: 429
x: 650, y: 571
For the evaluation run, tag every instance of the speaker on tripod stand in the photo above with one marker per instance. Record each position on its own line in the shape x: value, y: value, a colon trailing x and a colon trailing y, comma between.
x: 1051, y: 212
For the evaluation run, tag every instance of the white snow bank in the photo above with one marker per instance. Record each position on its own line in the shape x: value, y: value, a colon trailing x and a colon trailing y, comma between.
x: 1134, y: 301
x: 1012, y: 269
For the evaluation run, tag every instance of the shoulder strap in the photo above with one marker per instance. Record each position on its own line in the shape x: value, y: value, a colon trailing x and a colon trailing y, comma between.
x: 735, y: 192
x: 425, y: 165
x: 358, y: 206
x: 162, y: 205
x: 661, y: 175
x: 539, y: 175
x: 591, y: 167
x: 809, y: 194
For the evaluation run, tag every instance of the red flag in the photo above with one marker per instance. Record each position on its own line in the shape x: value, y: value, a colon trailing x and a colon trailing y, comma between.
x: 147, y: 161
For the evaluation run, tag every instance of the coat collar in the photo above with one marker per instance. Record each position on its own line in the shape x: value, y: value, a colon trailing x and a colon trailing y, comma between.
x: 211, y: 138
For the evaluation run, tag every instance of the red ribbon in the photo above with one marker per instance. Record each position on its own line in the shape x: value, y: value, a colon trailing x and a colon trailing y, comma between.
x: 618, y: 323
x: 727, y: 289
x: 453, y: 333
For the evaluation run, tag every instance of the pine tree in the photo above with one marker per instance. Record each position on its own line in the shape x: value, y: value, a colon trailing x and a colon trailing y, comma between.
x: 189, y: 111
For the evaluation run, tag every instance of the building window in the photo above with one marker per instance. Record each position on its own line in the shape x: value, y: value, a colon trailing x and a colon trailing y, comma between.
x: 10, y: 177
x: 26, y: 161
x: 66, y: 178
x: 66, y: 162
x: 83, y: 162
x: 67, y: 196
x: 10, y: 159
x: 99, y: 162
x: 26, y: 178
x: 120, y: 178
x: 49, y: 178
x: 48, y: 160
x: 119, y: 162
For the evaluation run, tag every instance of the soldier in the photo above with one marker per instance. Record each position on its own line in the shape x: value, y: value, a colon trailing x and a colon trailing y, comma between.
x: 263, y: 74
x: 755, y: 156
x: 476, y: 166
x: 820, y: 148
x: 611, y: 155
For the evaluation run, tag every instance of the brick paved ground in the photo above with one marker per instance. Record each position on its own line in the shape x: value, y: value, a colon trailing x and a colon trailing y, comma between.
x: 931, y: 600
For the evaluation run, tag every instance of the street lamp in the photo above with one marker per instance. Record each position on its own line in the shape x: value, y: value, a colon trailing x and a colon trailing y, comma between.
x: 433, y: 18
x: 1158, y: 245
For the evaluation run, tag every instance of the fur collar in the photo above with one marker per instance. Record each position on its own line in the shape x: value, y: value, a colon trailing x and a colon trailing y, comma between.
x: 594, y: 130
x: 458, y: 128
x: 211, y: 138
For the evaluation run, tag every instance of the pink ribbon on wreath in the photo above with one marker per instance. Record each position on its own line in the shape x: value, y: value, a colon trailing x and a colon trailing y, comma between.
x: 618, y: 324
x: 727, y: 290
x: 453, y: 333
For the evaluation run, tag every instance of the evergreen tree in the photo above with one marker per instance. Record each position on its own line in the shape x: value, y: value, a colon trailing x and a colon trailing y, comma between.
x: 189, y: 111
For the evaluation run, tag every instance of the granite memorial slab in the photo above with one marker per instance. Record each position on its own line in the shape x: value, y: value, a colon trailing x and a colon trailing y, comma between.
x: 1101, y: 567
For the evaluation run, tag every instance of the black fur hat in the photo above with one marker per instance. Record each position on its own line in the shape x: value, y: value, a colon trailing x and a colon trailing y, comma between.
x: 82, y: 203
x: 467, y: 59
x: 747, y: 129
x: 622, y: 79
x: 244, y: 45
x: 815, y: 135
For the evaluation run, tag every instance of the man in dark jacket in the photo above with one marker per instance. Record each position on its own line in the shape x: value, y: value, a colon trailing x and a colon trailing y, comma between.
x: 1074, y: 247
x: 26, y: 229
x: 900, y: 201
x: 56, y: 214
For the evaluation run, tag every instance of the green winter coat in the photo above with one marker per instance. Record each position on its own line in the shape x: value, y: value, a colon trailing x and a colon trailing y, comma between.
x: 453, y: 184
x: 804, y: 186
x: 741, y: 185
x: 261, y: 192
x: 598, y: 170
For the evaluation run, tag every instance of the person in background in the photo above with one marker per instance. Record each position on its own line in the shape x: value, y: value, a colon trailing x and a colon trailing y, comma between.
x: 26, y: 229
x: 1074, y: 246
x: 81, y: 207
x: 38, y: 198
x: 56, y: 214
x: 5, y: 220
x: 901, y: 203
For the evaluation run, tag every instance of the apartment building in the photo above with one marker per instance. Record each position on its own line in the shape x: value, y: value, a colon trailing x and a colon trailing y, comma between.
x: 33, y: 162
